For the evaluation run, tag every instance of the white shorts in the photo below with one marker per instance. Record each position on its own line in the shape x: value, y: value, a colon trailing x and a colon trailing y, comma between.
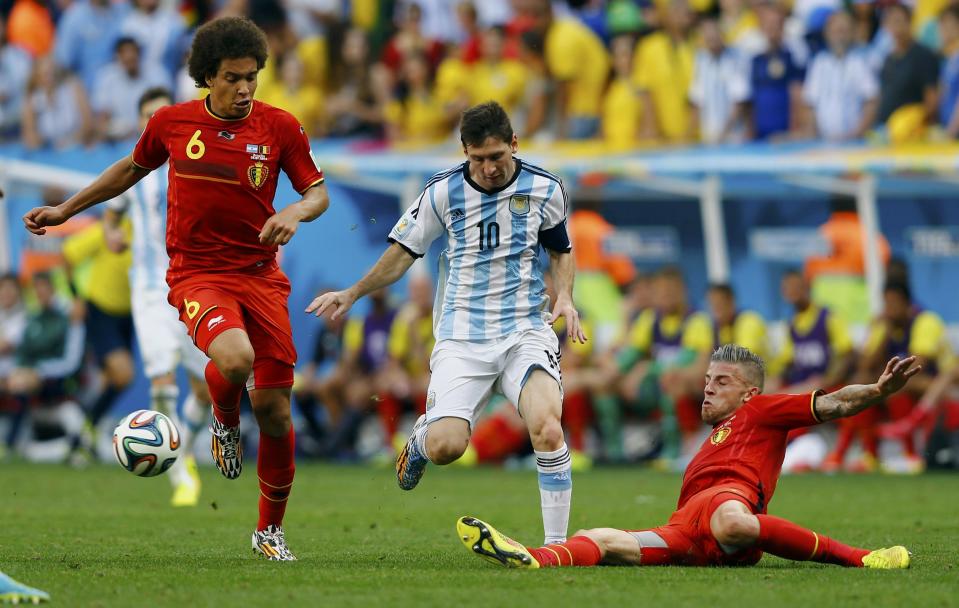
x: 464, y: 374
x: 163, y: 340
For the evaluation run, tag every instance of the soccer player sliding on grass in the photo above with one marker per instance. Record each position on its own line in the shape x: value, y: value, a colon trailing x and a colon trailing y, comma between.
x: 721, y: 517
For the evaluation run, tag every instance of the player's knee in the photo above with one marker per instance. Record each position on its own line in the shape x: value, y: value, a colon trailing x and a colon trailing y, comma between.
x: 274, y: 420
x: 445, y: 448
x: 548, y: 435
x: 236, y: 365
x: 735, y: 529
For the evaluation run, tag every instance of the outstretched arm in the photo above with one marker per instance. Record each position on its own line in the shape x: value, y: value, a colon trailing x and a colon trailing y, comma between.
x: 563, y: 270
x: 113, y: 182
x: 394, y: 262
x: 852, y: 399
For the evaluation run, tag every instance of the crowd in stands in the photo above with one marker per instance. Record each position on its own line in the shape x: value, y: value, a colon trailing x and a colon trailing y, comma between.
x: 627, y: 73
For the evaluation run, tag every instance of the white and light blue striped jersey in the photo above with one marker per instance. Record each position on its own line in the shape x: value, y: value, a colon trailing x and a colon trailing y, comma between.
x: 491, y: 280
x: 147, y: 208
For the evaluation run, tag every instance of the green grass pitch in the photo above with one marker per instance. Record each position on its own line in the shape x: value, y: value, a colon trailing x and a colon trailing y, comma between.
x: 102, y: 537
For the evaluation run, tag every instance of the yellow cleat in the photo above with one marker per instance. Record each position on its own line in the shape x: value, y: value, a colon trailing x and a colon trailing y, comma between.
x: 483, y: 540
x: 190, y: 463
x: 887, y: 559
x: 185, y: 495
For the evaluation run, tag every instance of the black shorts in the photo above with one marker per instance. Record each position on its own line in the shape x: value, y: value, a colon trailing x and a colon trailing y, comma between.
x: 107, y: 333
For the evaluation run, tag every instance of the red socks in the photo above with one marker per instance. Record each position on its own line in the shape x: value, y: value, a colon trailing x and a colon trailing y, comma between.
x: 389, y: 409
x: 226, y: 396
x: 576, y: 418
x: 274, y: 469
x: 577, y: 551
x: 786, y: 539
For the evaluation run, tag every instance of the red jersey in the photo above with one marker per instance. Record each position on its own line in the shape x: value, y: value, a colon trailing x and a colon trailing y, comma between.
x: 222, y: 179
x: 746, y: 450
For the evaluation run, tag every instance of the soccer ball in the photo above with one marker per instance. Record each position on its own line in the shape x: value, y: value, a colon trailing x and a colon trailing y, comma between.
x: 146, y: 443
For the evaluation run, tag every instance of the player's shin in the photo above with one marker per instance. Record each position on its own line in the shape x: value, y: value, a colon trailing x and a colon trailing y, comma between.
x: 785, y: 539
x: 274, y: 469
x: 163, y: 398
x: 556, y: 491
x: 196, y: 417
x: 225, y: 395
x: 577, y: 551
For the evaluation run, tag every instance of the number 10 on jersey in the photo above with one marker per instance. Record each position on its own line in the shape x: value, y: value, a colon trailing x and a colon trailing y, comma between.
x: 489, y: 232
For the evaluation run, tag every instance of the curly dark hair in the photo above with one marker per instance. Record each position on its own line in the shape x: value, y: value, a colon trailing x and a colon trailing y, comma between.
x: 225, y: 38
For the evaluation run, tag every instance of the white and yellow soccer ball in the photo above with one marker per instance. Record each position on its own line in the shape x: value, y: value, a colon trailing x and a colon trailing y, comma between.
x: 146, y: 443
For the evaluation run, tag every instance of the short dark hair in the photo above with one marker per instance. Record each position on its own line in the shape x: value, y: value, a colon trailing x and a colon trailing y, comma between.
x: 950, y: 11
x: 153, y: 93
x: 122, y: 40
x: 900, y: 287
x: 485, y: 120
x: 10, y: 277
x: 905, y: 10
x: 671, y: 272
x: 793, y: 272
x: 724, y: 288
x: 225, y: 38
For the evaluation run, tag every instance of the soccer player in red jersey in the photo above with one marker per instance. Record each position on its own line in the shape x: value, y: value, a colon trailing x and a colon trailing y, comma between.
x: 721, y: 517
x: 224, y: 154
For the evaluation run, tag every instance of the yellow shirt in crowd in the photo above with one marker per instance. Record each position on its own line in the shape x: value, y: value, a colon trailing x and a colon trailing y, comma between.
x: 577, y: 55
x: 503, y: 82
x: 927, y: 338
x: 107, y: 282
x: 419, y: 119
x: 411, y: 340
x: 695, y: 331
x: 748, y: 331
x: 840, y: 342
x: 665, y: 70
x: 622, y: 114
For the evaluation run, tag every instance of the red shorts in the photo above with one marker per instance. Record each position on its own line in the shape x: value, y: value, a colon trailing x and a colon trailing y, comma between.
x: 210, y: 304
x: 688, y: 537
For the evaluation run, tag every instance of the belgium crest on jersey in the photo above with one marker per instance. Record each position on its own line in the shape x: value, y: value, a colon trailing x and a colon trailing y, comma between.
x: 519, y: 204
x: 257, y: 173
x: 720, y: 435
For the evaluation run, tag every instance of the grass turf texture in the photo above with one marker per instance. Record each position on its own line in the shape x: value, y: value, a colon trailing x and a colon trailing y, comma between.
x: 102, y: 537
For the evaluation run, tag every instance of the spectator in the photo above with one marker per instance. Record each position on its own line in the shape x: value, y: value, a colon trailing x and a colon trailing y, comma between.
x: 314, y: 18
x: 622, y: 104
x: 417, y: 115
x: 776, y: 80
x: 30, y: 27
x: 817, y: 351
x: 949, y: 78
x: 663, y: 71
x: 87, y: 35
x: 908, y: 79
x: 732, y: 325
x: 740, y: 27
x: 837, y: 277
x: 49, y: 357
x: 293, y: 95
x: 719, y: 89
x: 409, y: 40
x: 119, y: 88
x: 359, y: 89
x: 539, y: 88
x: 14, y: 74
x: 472, y: 47
x: 13, y: 320
x: 578, y: 62
x: 841, y: 90
x: 601, y: 272
x: 158, y: 31
x: 323, y: 381
x: 437, y: 19
x: 282, y: 41
x: 55, y: 110
x: 495, y: 78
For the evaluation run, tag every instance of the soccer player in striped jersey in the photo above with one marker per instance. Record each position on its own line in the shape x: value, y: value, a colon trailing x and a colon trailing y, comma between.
x: 163, y: 343
x: 492, y: 318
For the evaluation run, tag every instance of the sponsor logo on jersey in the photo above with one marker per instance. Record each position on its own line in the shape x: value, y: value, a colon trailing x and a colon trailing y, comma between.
x: 226, y: 135
x: 215, y: 321
x: 457, y: 214
x: 258, y: 173
x: 519, y: 204
x: 720, y: 435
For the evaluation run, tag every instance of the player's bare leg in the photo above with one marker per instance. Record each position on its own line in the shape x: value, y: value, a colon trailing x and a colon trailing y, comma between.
x: 231, y: 361
x: 735, y: 527
x: 541, y: 405
x: 445, y: 442
x: 274, y: 468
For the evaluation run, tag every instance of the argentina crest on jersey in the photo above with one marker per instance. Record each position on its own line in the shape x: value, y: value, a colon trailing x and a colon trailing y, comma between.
x: 519, y: 204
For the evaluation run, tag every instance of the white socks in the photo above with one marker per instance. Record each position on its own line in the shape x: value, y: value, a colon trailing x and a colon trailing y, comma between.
x: 163, y: 398
x: 555, y: 491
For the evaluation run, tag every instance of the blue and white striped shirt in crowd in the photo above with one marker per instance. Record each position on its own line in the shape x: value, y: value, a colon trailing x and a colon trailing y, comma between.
x: 837, y: 88
x: 719, y: 84
x: 491, y: 279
